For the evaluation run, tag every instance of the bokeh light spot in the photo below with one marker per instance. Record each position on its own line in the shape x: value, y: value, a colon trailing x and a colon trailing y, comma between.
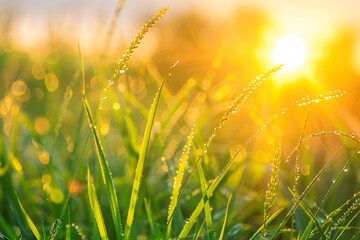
x: 104, y: 130
x: 42, y: 125
x: 18, y: 88
x: 46, y: 178
x: 44, y: 157
x: 116, y: 106
x: 7, y: 128
x: 51, y: 82
x: 38, y: 71
x: 56, y: 196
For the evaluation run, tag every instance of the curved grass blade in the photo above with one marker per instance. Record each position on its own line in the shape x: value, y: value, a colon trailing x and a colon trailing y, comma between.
x: 105, y: 172
x: 28, y: 220
x: 334, y: 213
x: 344, y: 169
x: 95, y: 207
x: 141, y: 160
x: 221, y: 175
x: 226, y: 213
x: 347, y: 225
x: 308, y: 188
x: 309, y: 213
x: 347, y: 213
x: 333, y: 185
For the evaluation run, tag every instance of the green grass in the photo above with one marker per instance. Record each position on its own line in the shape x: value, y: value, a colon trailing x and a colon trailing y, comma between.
x: 162, y: 169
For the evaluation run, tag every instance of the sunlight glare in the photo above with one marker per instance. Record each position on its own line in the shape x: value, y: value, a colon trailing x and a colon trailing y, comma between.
x: 290, y: 50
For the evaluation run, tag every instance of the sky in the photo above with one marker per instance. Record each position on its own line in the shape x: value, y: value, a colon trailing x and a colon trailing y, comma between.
x: 84, y: 19
x: 81, y: 12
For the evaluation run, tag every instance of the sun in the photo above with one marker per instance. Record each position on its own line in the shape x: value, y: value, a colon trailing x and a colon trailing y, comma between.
x: 290, y: 51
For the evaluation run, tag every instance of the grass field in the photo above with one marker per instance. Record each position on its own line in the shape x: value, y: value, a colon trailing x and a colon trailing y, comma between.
x: 183, y: 145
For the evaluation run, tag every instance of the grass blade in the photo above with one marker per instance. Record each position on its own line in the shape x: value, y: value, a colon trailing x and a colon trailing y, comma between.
x: 221, y: 175
x: 141, y: 160
x: 179, y: 177
x: 68, y: 228
x: 198, y: 233
x: 308, y: 188
x: 226, y: 213
x: 105, y: 172
x: 95, y: 207
x: 209, y: 224
x: 309, y: 213
x: 154, y: 227
x: 261, y: 229
x: 28, y: 220
x: 270, y: 195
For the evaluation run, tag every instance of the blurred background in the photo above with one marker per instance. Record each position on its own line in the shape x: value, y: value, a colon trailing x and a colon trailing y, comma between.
x: 221, y: 45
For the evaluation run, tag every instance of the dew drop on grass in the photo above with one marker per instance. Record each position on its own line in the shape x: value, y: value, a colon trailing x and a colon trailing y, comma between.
x: 346, y: 169
x: 333, y: 180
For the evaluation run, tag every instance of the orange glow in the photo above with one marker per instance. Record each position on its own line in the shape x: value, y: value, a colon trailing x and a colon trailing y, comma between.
x: 75, y: 187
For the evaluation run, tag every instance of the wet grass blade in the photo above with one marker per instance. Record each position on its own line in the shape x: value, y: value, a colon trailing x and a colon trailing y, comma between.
x: 179, y: 177
x: 209, y: 223
x: 141, y: 160
x: 28, y: 220
x: 79, y: 161
x: 260, y: 230
x: 347, y: 225
x: 309, y: 213
x: 95, y: 207
x: 226, y: 213
x: 308, y: 188
x: 345, y: 169
x: 105, y: 172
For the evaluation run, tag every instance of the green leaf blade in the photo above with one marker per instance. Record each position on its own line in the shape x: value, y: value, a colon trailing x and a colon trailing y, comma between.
x: 95, y: 207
